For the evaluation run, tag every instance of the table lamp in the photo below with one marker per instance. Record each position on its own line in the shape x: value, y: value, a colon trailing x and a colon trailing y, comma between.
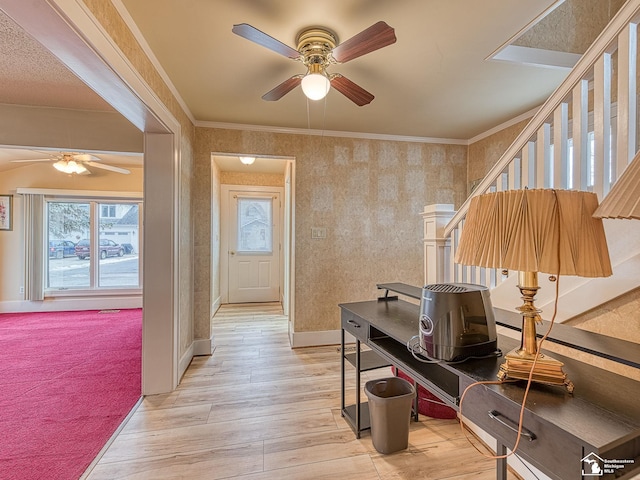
x: 538, y: 230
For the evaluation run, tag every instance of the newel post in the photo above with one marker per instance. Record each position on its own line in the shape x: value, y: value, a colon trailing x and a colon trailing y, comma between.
x: 436, y: 247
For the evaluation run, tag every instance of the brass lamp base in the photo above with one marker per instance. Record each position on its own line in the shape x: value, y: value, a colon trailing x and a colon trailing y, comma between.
x: 517, y: 365
x: 519, y: 362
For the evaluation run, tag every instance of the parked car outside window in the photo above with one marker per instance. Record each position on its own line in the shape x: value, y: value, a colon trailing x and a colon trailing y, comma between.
x: 61, y: 248
x: 108, y: 248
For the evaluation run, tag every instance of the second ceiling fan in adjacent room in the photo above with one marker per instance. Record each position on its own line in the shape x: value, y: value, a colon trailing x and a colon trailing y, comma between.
x: 76, y: 163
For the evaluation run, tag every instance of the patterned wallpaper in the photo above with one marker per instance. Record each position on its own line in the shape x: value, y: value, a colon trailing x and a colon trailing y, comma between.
x: 264, y: 179
x: 368, y: 194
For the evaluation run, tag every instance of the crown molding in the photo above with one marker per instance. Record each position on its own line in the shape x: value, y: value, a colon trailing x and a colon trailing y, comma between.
x: 502, y: 126
x: 299, y: 131
x: 330, y: 133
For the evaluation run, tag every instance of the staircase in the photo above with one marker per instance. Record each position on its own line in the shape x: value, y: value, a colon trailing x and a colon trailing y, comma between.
x: 582, y: 138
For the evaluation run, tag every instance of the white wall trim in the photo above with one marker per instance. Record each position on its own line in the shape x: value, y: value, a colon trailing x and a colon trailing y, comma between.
x: 128, y: 20
x: 502, y: 126
x: 79, y: 193
x: 185, y: 361
x: 330, y: 133
x: 318, y: 338
x: 555, y: 4
x: 369, y: 136
x: 537, y: 57
x: 203, y: 346
x: 72, y: 304
x: 215, y: 306
x: 295, y: 131
x: 71, y: 32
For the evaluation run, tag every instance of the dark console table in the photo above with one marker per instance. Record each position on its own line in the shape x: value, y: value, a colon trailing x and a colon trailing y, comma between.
x: 560, y: 430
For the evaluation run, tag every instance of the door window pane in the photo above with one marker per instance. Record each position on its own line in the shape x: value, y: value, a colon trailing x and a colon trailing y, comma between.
x: 67, y: 225
x: 255, y: 225
x: 118, y: 245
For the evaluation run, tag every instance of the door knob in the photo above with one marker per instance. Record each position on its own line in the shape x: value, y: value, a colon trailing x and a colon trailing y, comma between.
x: 232, y: 252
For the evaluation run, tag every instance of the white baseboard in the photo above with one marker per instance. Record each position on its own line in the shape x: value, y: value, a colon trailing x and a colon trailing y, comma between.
x: 185, y: 360
x: 203, y: 346
x: 71, y: 304
x: 215, y: 305
x: 317, y: 339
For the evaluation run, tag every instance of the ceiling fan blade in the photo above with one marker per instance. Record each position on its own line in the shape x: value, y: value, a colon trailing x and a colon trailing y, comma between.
x: 84, y: 157
x: 353, y: 92
x: 35, y: 160
x: 253, y: 34
x: 376, y: 36
x: 281, y: 90
x: 108, y: 167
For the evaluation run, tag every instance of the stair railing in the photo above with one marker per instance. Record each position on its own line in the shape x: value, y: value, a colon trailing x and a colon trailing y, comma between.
x: 582, y: 137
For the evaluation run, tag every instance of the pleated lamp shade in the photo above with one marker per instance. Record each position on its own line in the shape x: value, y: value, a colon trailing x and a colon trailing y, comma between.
x: 538, y: 230
x: 623, y: 201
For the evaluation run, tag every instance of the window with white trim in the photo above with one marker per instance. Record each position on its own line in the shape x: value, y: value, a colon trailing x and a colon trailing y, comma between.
x: 91, y: 245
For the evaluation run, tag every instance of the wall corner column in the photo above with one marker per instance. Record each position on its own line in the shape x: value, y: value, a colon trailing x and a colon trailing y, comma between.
x: 436, y: 246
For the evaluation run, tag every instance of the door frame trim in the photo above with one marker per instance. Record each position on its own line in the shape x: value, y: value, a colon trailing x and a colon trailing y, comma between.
x: 70, y: 31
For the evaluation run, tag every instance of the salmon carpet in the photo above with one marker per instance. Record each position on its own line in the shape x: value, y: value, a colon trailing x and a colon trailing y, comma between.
x: 67, y: 381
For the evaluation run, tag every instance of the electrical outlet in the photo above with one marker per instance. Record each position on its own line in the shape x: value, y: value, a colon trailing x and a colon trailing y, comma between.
x: 21, y: 289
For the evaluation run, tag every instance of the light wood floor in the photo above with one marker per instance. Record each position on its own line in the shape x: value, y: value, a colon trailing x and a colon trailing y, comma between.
x: 256, y: 409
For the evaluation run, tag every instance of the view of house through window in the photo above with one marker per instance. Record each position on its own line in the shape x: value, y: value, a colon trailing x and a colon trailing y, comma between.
x: 255, y: 225
x: 75, y: 230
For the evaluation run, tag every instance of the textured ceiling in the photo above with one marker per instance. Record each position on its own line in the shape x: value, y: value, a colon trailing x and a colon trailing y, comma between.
x: 30, y: 75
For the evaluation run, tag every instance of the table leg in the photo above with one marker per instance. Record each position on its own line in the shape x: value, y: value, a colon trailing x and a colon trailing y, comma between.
x: 342, y: 385
x: 501, y: 463
x: 357, y: 388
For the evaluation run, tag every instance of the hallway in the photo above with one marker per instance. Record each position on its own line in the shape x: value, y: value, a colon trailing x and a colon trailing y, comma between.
x: 256, y: 409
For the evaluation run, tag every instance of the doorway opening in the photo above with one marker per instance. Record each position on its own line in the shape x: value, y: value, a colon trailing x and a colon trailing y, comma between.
x: 255, y: 205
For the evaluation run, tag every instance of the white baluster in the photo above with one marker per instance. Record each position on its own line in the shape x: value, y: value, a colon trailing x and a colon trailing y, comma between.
x: 627, y: 93
x: 580, y: 130
x: 543, y: 157
x: 602, y: 124
x: 515, y: 176
x: 560, y: 128
x: 527, y: 165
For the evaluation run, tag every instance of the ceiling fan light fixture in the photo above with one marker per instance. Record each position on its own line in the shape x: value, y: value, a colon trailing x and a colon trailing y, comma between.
x: 61, y: 166
x: 247, y: 160
x: 315, y: 86
x: 69, y: 166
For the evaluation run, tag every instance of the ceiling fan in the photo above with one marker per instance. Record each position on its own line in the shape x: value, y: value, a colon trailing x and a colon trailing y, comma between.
x: 318, y: 48
x: 76, y: 163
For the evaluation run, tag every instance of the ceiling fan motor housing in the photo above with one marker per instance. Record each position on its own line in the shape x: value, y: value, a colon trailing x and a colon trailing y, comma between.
x: 315, y: 45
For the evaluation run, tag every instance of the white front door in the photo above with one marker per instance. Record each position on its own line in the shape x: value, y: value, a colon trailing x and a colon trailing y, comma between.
x: 254, y: 246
